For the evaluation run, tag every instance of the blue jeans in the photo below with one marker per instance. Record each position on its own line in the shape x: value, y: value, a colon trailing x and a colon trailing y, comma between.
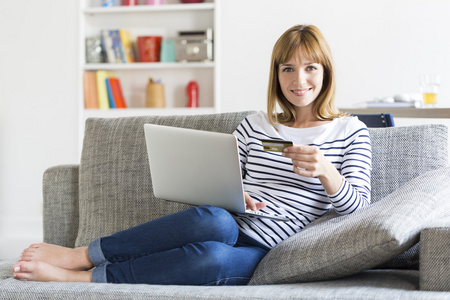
x: 198, y: 246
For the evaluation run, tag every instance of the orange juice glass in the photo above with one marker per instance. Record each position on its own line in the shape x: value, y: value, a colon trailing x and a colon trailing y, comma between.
x: 429, y: 86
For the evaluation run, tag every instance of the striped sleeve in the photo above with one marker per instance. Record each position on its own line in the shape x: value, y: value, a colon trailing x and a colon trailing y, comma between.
x: 356, y: 170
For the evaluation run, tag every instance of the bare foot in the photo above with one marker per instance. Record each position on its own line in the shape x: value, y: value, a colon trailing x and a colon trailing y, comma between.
x: 40, y: 271
x: 58, y: 256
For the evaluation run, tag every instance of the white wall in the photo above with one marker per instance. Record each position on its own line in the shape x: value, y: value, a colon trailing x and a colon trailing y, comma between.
x: 38, y: 111
x: 380, y: 48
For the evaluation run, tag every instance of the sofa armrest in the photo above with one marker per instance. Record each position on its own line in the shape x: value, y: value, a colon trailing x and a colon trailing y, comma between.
x: 435, y: 257
x: 60, y: 216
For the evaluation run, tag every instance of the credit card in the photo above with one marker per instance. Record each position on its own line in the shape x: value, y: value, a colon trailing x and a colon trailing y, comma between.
x: 275, y: 145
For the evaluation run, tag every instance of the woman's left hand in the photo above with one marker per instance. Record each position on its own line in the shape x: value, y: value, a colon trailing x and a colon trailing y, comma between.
x: 309, y: 161
x: 251, y: 204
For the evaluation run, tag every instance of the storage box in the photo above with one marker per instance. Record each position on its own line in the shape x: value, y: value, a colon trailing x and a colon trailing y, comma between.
x: 195, y: 45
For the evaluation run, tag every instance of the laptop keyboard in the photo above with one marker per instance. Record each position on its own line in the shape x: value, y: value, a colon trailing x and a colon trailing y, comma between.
x: 271, y: 216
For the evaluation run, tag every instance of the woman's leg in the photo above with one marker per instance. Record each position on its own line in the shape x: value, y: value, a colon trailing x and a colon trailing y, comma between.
x: 193, y: 225
x: 201, y: 263
x: 197, y: 224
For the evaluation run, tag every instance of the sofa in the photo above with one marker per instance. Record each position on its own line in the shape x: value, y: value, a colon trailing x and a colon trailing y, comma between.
x: 396, y: 248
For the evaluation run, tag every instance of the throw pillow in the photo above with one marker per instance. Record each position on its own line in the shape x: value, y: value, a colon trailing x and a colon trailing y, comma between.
x: 369, y: 237
x: 399, y: 155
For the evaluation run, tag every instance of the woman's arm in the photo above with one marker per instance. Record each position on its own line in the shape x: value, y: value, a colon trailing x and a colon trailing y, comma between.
x: 348, y: 188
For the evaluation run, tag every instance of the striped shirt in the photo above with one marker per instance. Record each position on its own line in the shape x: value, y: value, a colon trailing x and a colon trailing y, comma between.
x: 269, y: 177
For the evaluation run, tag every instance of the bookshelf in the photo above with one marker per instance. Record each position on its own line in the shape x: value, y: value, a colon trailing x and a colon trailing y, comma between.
x: 163, y: 20
x: 170, y: 6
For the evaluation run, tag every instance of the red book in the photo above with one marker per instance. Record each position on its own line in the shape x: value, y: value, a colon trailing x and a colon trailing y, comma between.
x: 149, y: 48
x: 117, y: 92
x: 129, y: 2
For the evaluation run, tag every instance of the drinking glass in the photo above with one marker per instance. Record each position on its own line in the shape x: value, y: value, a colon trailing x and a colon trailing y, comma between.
x: 429, y: 87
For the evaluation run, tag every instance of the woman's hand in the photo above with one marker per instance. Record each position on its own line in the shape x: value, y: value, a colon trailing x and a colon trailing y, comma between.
x: 309, y: 161
x: 250, y: 204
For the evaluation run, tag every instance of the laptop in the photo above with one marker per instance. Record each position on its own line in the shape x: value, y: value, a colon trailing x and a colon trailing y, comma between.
x: 198, y: 168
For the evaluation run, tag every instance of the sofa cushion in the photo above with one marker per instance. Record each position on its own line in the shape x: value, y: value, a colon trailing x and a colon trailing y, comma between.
x: 434, y: 257
x: 374, y: 284
x: 115, y: 191
x: 349, y: 244
x: 399, y: 155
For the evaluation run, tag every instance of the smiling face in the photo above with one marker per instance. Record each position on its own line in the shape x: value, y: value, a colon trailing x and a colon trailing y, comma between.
x: 300, y: 80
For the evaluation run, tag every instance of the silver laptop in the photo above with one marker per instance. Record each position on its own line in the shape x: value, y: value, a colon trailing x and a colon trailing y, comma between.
x: 197, y: 167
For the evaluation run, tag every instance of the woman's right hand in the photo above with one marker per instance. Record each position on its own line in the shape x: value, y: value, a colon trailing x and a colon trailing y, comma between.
x: 250, y: 204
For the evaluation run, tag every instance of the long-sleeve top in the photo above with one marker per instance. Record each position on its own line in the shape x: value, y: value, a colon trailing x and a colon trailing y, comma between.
x: 269, y: 177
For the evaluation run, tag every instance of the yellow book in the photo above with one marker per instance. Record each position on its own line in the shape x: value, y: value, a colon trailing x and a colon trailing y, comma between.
x: 127, y: 43
x: 103, y: 102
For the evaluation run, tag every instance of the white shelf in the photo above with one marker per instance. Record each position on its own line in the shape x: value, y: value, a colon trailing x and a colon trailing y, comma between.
x: 148, y: 66
x: 116, y: 113
x: 163, y: 20
x: 148, y: 8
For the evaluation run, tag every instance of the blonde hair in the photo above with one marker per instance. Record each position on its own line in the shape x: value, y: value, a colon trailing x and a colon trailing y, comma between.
x: 311, y: 42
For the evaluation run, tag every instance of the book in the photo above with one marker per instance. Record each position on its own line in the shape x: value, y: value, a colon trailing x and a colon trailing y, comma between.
x: 111, y: 102
x: 149, y: 48
x: 107, y: 45
x: 129, y: 2
x: 102, y: 92
x: 110, y: 3
x: 127, y: 46
x: 90, y: 90
x: 117, y: 46
x: 116, y: 92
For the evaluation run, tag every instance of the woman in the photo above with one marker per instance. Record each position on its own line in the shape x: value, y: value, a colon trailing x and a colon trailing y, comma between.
x: 328, y: 167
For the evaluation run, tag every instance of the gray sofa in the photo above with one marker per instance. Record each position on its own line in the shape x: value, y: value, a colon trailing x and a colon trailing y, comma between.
x: 397, y: 248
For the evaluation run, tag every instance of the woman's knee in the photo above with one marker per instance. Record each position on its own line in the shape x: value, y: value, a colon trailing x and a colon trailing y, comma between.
x: 219, y: 214
x: 219, y: 220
